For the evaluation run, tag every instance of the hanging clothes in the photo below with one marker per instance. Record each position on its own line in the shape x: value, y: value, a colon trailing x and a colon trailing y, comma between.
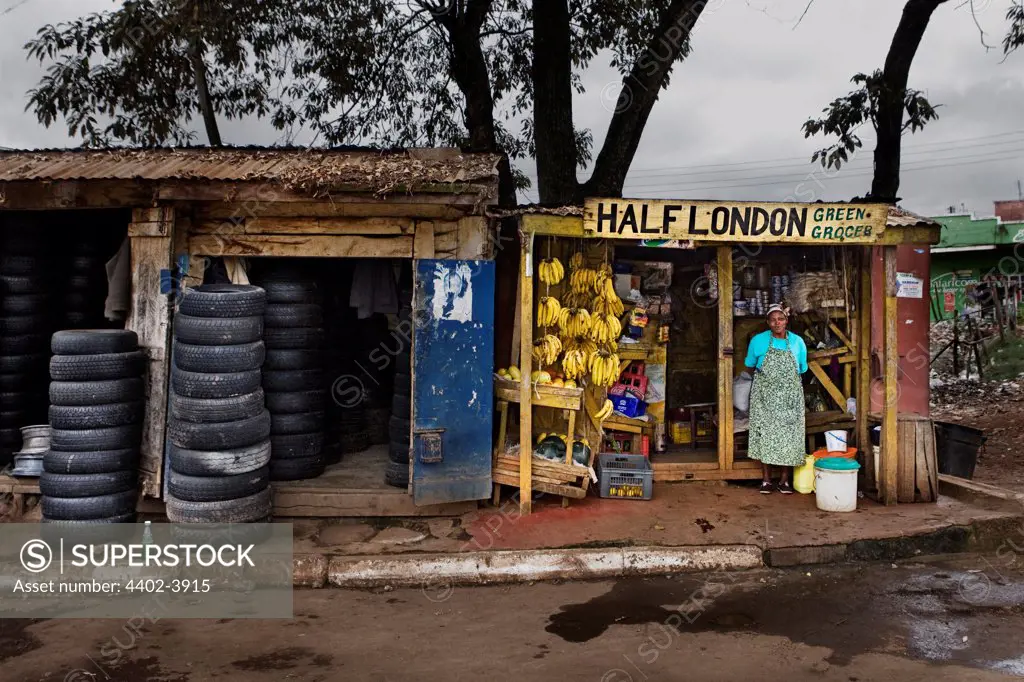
x: 119, y: 283
x: 373, y: 289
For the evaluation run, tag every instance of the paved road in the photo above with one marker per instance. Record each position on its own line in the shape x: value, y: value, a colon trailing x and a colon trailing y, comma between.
x: 951, y: 619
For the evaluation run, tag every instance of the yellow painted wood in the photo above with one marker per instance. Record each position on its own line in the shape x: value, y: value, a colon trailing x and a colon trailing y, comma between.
x: 890, y: 433
x: 725, y: 359
x: 864, y: 368
x: 526, y: 367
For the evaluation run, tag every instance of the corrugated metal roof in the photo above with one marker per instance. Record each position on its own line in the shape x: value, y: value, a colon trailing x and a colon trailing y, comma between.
x: 316, y: 170
x: 901, y: 217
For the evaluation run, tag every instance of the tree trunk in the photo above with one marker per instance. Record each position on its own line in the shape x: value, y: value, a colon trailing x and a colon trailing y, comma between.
x: 889, y: 119
x: 553, y: 132
x: 640, y: 90
x: 195, y: 55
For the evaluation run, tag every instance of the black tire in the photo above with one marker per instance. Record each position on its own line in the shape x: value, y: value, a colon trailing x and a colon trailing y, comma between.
x: 216, y: 410
x: 20, y: 364
x: 213, y: 385
x: 291, y: 292
x: 87, y: 485
x: 120, y: 518
x: 24, y: 304
x: 94, y: 341
x: 223, y: 300
x: 16, y: 325
x: 213, y: 488
x: 99, y: 367
x: 11, y: 419
x: 18, y: 383
x: 98, y: 462
x: 241, y: 510
x: 299, y: 422
x: 88, y: 508
x: 403, y: 362
x: 297, y: 469
x: 291, y: 315
x: 293, y: 446
x: 290, y: 402
x: 290, y: 359
x: 240, y: 358
x: 220, y: 436
x: 83, y: 301
x: 95, y: 416
x: 23, y: 284
x: 89, y: 440
x: 23, y: 344
x: 96, y: 392
x: 85, y: 265
x: 401, y: 406
x: 397, y: 475
x: 403, y: 384
x: 20, y: 265
x: 218, y: 331
x: 398, y: 452
x: 300, y: 337
x: 93, y: 282
x: 219, y: 462
x: 293, y: 380
x: 81, y: 320
x: 400, y: 430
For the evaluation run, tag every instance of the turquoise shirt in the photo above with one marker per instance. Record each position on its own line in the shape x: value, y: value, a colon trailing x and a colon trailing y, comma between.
x: 758, y: 348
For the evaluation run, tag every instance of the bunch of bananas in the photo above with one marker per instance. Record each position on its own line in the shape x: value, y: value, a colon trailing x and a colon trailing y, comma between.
x: 576, y: 299
x: 586, y: 345
x: 604, y: 368
x: 605, y: 411
x: 604, y: 328
x: 574, y: 321
x: 574, y: 363
x: 548, y: 309
x: 551, y: 271
x: 577, y: 261
x: 547, y: 349
x: 607, y: 301
x: 583, y: 280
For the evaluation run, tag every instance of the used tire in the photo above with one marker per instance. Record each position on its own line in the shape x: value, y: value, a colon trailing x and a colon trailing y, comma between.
x: 234, y: 358
x: 96, y: 392
x: 293, y: 380
x: 88, y: 440
x: 241, y: 510
x: 403, y: 384
x: 17, y: 383
x: 100, y: 367
x: 291, y: 315
x: 398, y: 452
x: 299, y: 422
x: 401, y: 406
x: 214, y: 385
x: 219, y: 462
x: 216, y: 410
x: 120, y: 518
x: 97, y: 462
x: 217, y: 331
x: 86, y: 485
x: 93, y: 341
x: 212, y: 488
x: 88, y: 508
x: 289, y: 359
x: 24, y: 324
x: 83, y: 301
x: 399, y: 429
x: 20, y: 364
x: 19, y: 265
x: 95, y: 416
x: 397, y: 475
x: 220, y: 435
x: 297, y: 469
x: 301, y: 337
x: 403, y: 362
x: 23, y: 304
x: 13, y: 418
x: 292, y: 446
x: 24, y: 284
x: 291, y: 292
x: 223, y: 300
x: 23, y: 344
x: 290, y: 402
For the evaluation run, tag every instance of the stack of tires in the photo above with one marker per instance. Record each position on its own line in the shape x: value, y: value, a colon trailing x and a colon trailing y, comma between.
x: 219, y: 428
x: 294, y: 375
x: 25, y: 328
x: 90, y: 472
x: 85, y: 286
x: 400, y: 425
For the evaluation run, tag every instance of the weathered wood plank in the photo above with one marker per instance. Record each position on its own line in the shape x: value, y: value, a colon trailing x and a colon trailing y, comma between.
x: 268, y: 192
x: 319, y: 246
x: 906, y: 474
x: 726, y: 445
x: 563, y: 490
x: 76, y: 194
x: 305, y: 225
x: 423, y: 240
x: 240, y: 210
x: 864, y: 368
x: 826, y: 382
x: 526, y: 367
x: 473, y: 240
x: 890, y: 435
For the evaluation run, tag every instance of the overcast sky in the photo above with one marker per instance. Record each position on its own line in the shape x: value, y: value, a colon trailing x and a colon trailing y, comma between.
x: 728, y: 127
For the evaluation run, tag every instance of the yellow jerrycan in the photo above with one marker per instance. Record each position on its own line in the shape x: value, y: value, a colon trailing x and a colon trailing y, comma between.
x: 803, y: 476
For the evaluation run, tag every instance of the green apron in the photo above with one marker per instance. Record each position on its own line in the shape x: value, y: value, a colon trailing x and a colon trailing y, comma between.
x: 777, y: 411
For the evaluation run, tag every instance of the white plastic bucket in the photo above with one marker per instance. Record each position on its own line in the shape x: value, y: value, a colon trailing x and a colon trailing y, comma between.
x: 835, y: 441
x: 835, y: 491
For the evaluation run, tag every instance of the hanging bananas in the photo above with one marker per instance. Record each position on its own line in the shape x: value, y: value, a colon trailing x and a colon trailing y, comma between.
x: 605, y: 411
x: 604, y: 328
x: 574, y: 363
x: 607, y: 301
x: 574, y: 321
x: 547, y: 349
x: 551, y: 271
x: 604, y: 368
x: 583, y: 280
x: 576, y: 262
x: 548, y: 309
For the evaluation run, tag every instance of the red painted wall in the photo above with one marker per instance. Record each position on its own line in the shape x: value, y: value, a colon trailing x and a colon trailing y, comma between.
x: 1010, y: 211
x: 912, y: 332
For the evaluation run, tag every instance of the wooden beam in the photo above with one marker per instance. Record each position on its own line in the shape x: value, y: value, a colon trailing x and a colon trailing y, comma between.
x: 725, y: 359
x: 48, y: 195
x: 239, y: 211
x: 268, y: 192
x: 890, y: 432
x: 305, y: 225
x: 320, y: 246
x: 842, y: 336
x: 474, y: 242
x: 864, y: 367
x: 423, y: 240
x: 526, y: 367
x: 826, y: 382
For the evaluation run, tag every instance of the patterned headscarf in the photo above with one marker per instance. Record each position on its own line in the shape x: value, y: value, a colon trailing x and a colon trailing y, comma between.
x: 777, y: 308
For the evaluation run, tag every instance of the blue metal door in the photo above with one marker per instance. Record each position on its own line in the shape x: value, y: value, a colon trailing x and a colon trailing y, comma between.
x: 452, y: 384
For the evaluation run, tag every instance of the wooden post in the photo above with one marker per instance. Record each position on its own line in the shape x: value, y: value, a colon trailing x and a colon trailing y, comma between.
x: 956, y: 343
x: 1000, y: 317
x: 526, y: 367
x: 151, y: 232
x: 725, y: 359
x: 890, y: 429
x: 864, y: 368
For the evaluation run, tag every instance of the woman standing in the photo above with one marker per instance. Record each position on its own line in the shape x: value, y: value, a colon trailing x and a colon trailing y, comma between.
x: 777, y: 399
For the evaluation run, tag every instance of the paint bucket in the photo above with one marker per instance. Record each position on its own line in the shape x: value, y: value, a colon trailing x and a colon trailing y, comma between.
x: 835, y: 484
x: 835, y: 441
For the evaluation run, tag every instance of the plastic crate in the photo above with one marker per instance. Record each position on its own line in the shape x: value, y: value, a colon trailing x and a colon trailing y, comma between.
x: 625, y: 477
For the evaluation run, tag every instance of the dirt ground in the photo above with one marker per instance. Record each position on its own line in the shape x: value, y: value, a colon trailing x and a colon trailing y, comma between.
x: 952, y: 619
